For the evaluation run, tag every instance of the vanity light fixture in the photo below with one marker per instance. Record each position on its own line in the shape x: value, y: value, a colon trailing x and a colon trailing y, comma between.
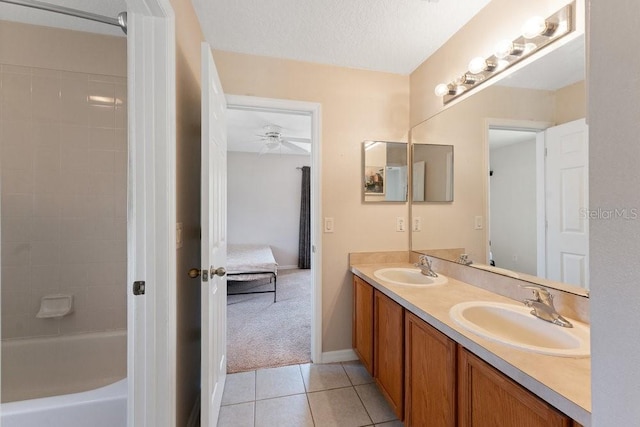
x: 479, y: 64
x: 537, y: 33
x: 506, y: 48
x: 538, y: 26
x: 444, y: 89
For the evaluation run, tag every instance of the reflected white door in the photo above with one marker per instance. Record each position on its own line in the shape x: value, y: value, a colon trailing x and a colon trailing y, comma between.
x: 213, y: 241
x: 567, y: 189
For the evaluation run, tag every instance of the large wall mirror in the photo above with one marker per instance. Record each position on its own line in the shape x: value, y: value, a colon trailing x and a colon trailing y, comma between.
x: 384, y: 171
x: 521, y: 176
x: 432, y: 173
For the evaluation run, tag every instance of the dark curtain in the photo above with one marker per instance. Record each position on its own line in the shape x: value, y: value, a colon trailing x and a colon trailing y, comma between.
x: 304, y: 246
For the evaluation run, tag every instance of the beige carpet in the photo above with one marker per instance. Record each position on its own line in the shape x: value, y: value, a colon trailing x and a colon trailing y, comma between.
x: 263, y: 334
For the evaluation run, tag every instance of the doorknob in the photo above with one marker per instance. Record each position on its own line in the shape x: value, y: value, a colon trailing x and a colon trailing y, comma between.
x: 194, y: 272
x: 220, y: 271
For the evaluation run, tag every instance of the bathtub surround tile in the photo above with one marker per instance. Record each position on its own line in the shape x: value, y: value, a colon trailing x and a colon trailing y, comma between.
x: 15, y: 254
x: 240, y: 415
x: 324, y: 377
x: 277, y: 382
x: 74, y: 94
x: 16, y: 229
x: 102, y: 139
x: 60, y: 197
x: 239, y: 388
x: 16, y: 96
x: 45, y: 96
x: 17, y: 181
x: 288, y: 411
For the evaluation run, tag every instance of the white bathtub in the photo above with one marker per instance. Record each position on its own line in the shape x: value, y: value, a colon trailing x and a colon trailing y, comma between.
x: 66, y: 364
x: 102, y: 407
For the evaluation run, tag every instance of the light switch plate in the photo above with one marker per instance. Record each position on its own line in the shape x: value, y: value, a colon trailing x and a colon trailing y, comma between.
x: 400, y: 224
x: 478, y: 223
x: 328, y: 225
x: 417, y: 224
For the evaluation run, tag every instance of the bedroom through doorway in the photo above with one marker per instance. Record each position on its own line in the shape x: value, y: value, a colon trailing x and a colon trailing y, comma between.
x: 269, y: 227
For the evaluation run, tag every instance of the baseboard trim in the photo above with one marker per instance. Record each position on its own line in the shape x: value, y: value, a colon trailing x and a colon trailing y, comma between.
x: 339, y: 356
x: 287, y: 267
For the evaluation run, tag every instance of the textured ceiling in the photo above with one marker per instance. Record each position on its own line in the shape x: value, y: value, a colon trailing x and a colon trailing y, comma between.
x: 384, y: 35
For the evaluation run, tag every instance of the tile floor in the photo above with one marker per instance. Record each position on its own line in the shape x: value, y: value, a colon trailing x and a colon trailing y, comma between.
x: 331, y: 395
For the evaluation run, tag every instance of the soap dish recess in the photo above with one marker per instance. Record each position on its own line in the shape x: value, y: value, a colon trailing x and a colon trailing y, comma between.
x: 55, y: 306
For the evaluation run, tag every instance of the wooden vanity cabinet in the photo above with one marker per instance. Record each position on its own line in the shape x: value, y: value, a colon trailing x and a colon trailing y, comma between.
x: 363, y: 322
x: 430, y: 375
x: 487, y: 398
x: 388, y: 371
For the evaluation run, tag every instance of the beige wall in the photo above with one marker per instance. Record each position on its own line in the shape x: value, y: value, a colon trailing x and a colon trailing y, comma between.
x: 64, y: 159
x: 188, y: 39
x: 500, y: 19
x: 571, y: 103
x: 614, y: 182
x: 356, y: 106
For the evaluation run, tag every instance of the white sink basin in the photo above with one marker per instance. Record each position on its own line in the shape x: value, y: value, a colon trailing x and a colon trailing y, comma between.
x: 408, y: 277
x: 515, y: 326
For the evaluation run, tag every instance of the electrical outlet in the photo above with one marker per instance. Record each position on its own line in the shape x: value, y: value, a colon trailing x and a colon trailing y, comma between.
x: 400, y: 226
x: 417, y: 223
x: 328, y: 225
x: 478, y: 223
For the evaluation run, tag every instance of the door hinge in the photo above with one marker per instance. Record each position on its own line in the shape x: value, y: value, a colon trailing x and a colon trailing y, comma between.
x: 138, y: 287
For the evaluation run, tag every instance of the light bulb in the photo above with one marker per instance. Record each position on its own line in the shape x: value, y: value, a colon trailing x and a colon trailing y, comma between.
x: 534, y: 27
x: 505, y: 48
x: 477, y: 65
x: 441, y: 89
x: 502, y: 64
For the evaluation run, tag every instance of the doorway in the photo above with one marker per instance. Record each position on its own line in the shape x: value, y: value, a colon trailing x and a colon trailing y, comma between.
x: 538, y: 199
x: 271, y: 143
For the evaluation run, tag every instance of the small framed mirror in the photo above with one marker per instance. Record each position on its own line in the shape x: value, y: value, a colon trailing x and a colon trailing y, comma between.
x: 432, y: 173
x: 384, y: 171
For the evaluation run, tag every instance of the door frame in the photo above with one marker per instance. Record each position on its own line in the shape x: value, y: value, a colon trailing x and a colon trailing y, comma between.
x: 524, y: 125
x: 151, y: 214
x: 314, y: 109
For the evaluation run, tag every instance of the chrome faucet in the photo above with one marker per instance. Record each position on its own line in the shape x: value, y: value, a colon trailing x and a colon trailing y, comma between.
x: 542, y: 305
x: 464, y: 260
x: 424, y: 264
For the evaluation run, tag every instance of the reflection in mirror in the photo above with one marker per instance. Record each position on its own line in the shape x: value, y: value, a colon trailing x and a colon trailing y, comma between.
x: 541, y: 99
x: 432, y: 173
x: 384, y: 171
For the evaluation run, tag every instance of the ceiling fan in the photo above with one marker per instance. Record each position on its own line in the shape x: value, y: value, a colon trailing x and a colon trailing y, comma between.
x: 273, y: 141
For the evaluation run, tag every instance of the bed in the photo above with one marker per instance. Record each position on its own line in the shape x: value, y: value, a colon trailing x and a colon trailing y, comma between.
x: 251, y: 262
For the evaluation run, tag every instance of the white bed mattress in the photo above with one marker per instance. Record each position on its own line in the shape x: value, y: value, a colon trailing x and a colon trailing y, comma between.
x: 250, y: 262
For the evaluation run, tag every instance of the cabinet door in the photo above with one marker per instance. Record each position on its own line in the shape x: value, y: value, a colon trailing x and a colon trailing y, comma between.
x: 487, y: 398
x: 430, y: 375
x: 389, y: 350
x: 363, y: 322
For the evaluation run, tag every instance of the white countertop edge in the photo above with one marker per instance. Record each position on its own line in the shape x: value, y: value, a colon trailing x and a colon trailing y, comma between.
x: 546, y: 393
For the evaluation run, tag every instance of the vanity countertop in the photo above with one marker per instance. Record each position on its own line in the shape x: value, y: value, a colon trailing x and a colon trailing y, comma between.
x: 563, y: 382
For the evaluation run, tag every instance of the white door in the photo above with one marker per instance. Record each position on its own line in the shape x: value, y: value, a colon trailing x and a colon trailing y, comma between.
x: 213, y: 241
x: 567, y: 201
